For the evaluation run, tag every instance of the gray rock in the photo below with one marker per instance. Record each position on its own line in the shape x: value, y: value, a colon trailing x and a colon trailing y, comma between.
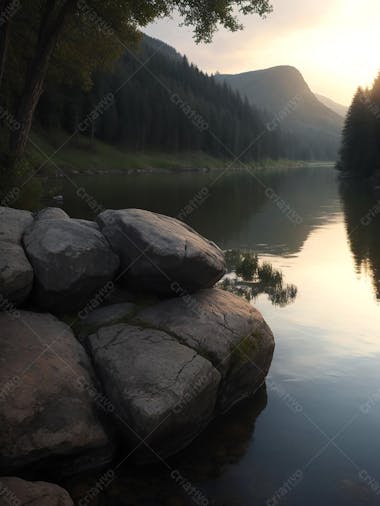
x: 16, y: 274
x: 223, y: 328
x: 13, y: 223
x: 17, y: 492
x: 52, y: 213
x: 160, y: 254
x: 88, y: 223
x: 47, y: 409
x: 71, y: 262
x: 105, y: 316
x: 162, y: 390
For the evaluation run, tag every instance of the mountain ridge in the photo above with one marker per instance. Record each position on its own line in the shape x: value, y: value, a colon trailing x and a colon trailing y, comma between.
x: 171, y: 106
x: 283, y: 92
x: 333, y: 105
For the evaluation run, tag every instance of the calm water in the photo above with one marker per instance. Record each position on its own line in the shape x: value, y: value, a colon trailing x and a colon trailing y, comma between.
x: 312, y: 438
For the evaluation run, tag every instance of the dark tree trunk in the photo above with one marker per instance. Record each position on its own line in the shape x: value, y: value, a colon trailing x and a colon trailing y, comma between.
x: 52, y: 24
x: 4, y: 36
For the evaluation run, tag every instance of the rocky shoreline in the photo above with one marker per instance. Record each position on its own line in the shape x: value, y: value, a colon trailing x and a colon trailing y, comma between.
x: 113, y: 335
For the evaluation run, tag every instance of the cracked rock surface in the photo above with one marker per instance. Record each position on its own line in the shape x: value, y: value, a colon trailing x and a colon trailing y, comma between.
x: 163, y: 392
x: 161, y: 369
x: 222, y: 327
x: 178, y: 363
x: 161, y: 254
x: 104, y: 317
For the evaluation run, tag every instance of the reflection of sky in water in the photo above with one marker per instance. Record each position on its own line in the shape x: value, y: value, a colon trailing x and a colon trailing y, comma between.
x: 327, y: 355
x: 333, y: 302
x: 327, y: 358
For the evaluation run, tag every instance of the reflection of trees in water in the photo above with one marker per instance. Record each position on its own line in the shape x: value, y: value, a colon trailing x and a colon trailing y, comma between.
x: 361, y: 205
x: 248, y: 278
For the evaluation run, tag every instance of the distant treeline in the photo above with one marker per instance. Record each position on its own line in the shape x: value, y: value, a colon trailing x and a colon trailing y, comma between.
x: 156, y: 100
x: 360, y: 152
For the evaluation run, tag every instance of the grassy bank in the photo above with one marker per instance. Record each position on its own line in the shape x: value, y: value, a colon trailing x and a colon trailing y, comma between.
x: 78, y: 154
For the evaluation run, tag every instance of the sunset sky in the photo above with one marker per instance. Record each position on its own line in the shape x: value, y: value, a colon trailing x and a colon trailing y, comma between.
x: 334, y: 43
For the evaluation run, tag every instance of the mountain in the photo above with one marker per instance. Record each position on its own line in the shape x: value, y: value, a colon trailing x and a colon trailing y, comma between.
x: 334, y: 106
x: 156, y: 101
x: 284, y: 94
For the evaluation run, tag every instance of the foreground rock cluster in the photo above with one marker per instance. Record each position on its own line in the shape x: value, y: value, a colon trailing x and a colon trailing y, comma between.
x: 156, y: 352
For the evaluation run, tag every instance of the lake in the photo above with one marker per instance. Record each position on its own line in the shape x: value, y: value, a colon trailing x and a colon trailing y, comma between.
x: 312, y: 435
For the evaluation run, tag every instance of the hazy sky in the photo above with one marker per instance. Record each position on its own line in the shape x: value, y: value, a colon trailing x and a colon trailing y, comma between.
x: 334, y: 43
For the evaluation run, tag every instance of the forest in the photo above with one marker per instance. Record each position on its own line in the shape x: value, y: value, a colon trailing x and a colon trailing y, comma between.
x: 168, y: 105
x: 84, y: 69
x: 360, y: 152
x: 44, y: 45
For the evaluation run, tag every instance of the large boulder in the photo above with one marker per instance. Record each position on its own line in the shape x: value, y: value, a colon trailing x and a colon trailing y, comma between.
x: 160, y: 254
x: 16, y: 273
x: 13, y: 223
x: 164, y: 393
x: 178, y: 363
x: 48, y: 410
x: 223, y: 328
x: 71, y: 262
x: 17, y: 492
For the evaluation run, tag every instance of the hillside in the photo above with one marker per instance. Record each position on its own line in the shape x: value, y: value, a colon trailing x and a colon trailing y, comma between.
x: 160, y: 47
x: 53, y: 152
x: 156, y: 101
x: 283, y: 92
x: 334, y: 106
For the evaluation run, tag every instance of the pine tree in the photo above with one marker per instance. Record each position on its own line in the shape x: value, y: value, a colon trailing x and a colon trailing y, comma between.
x: 357, y: 156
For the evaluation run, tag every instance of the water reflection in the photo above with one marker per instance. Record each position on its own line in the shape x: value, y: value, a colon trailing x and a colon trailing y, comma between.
x: 223, y: 443
x: 248, y: 278
x: 361, y: 204
x: 327, y: 342
x: 236, y: 214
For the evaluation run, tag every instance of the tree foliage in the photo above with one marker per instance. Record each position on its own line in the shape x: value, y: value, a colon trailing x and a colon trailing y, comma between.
x: 167, y: 104
x: 360, y: 151
x: 249, y: 278
x: 68, y: 40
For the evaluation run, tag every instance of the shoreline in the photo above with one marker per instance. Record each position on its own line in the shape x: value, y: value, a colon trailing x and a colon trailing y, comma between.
x: 82, y: 158
x: 276, y: 165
